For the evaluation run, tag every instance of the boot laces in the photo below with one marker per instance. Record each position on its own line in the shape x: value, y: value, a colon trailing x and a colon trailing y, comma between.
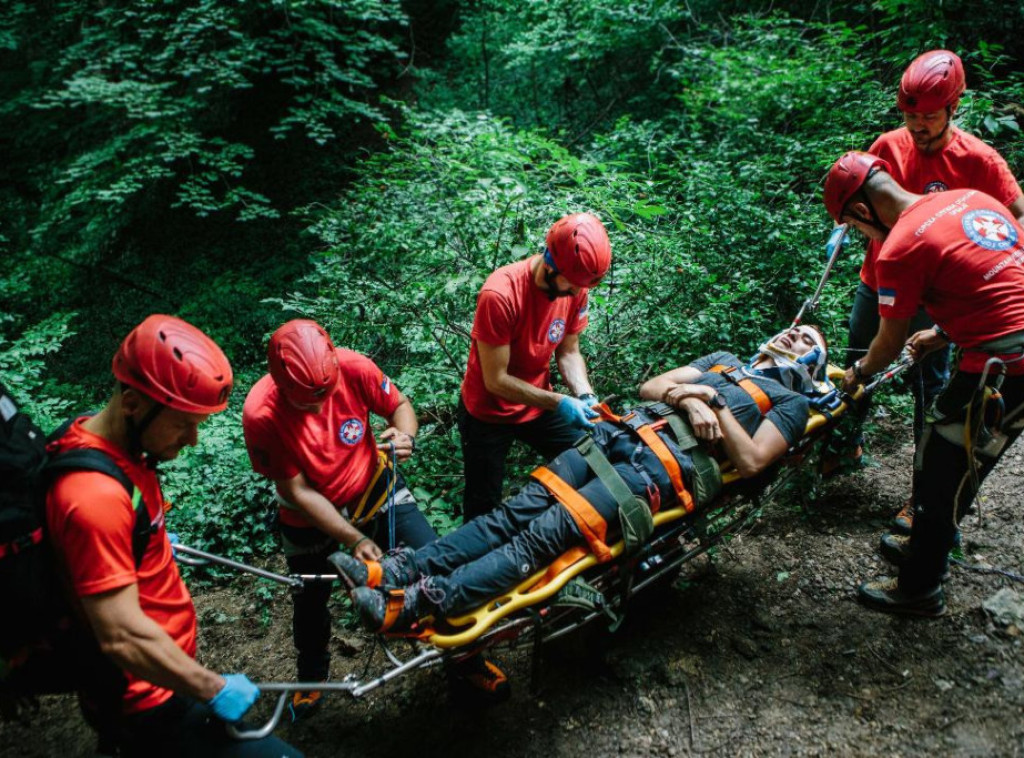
x: 433, y: 594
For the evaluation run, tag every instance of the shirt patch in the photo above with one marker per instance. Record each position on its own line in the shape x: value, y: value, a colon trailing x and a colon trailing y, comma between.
x: 989, y: 229
x: 887, y: 297
x: 584, y: 310
x: 385, y: 386
x: 934, y: 187
x: 556, y: 331
x: 351, y: 431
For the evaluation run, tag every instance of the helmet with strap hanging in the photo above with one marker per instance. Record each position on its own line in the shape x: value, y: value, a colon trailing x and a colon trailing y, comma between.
x: 847, y: 176
x: 303, y: 361
x: 578, y: 249
x: 933, y: 81
x: 175, y: 364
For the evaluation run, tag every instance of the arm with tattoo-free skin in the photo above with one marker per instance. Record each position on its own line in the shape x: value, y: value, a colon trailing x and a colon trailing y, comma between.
x: 494, y: 360
x: 573, y: 366
x: 884, y: 349
x: 321, y: 514
x: 137, y: 644
x: 750, y: 455
x: 402, y: 428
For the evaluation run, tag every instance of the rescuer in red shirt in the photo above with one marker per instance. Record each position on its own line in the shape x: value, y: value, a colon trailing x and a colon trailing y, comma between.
x: 526, y: 313
x: 171, y: 377
x: 960, y: 254
x: 928, y: 154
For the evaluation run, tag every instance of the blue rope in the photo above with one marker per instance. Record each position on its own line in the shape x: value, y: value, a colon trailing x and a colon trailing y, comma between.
x: 391, y: 496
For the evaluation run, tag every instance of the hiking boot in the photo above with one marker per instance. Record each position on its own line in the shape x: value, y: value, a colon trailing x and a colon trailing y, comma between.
x: 904, y: 520
x: 397, y: 610
x: 885, y: 595
x: 397, y: 568
x: 833, y: 462
x: 479, y: 681
x: 895, y: 548
x: 304, y: 703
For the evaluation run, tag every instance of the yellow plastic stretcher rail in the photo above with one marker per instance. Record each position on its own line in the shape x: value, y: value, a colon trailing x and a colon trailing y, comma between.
x: 533, y: 590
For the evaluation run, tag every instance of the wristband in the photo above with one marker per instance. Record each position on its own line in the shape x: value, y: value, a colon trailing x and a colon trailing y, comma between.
x: 858, y: 371
x: 358, y: 542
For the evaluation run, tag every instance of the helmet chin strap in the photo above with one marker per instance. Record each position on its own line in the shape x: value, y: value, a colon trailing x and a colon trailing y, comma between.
x: 552, y: 288
x: 136, y: 429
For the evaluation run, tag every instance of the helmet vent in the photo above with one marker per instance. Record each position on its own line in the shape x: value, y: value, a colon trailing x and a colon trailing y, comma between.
x: 177, y: 355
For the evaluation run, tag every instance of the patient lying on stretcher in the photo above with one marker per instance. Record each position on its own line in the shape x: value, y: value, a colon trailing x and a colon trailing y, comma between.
x: 753, y: 412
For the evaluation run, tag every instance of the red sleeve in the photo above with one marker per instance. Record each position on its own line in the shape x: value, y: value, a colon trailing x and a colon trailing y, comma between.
x: 268, y: 456
x: 381, y: 395
x: 580, y: 316
x: 902, y: 279
x: 998, y: 181
x: 494, y: 319
x: 90, y: 521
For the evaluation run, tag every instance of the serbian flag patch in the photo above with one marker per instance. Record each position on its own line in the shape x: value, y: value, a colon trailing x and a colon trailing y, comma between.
x: 385, y: 385
x: 886, y: 297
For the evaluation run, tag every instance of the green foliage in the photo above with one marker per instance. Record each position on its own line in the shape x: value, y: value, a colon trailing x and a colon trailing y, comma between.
x: 158, y: 151
x: 149, y: 94
x: 23, y: 369
x: 220, y: 504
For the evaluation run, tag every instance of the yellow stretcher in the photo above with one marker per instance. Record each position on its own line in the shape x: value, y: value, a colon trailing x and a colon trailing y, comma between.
x: 538, y: 606
x: 544, y: 585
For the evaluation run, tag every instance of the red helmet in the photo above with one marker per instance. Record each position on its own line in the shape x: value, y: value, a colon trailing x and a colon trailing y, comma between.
x: 303, y: 361
x: 175, y: 364
x: 933, y: 81
x: 579, y: 247
x: 848, y: 175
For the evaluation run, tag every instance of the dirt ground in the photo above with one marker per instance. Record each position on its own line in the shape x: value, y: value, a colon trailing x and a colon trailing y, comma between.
x: 760, y: 649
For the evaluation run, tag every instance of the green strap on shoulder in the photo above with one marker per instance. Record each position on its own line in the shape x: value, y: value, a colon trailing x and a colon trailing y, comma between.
x: 707, y: 477
x: 634, y: 514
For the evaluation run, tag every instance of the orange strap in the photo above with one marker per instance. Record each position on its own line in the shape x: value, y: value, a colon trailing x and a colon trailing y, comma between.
x: 589, y: 521
x: 374, y: 574
x: 764, y: 404
x: 563, y: 562
x: 396, y: 601
x: 675, y: 474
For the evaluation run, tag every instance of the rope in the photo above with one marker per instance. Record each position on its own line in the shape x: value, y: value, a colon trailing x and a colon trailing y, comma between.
x: 391, y: 496
x: 987, y: 570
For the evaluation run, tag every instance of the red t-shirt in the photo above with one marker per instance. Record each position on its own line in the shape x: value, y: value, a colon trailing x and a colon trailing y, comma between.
x: 961, y: 255
x: 90, y: 520
x: 335, y: 449
x: 512, y: 310
x: 966, y: 162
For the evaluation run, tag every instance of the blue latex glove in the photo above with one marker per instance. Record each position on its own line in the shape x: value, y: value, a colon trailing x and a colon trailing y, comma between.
x: 589, y: 398
x: 576, y: 413
x: 235, y: 698
x: 174, y: 539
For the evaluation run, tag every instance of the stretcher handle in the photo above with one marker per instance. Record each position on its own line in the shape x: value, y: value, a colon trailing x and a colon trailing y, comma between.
x: 284, y: 689
x: 902, y: 364
x: 191, y: 556
x: 350, y: 684
x: 833, y: 247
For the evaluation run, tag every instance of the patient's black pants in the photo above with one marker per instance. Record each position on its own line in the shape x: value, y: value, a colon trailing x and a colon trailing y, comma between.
x: 495, y: 552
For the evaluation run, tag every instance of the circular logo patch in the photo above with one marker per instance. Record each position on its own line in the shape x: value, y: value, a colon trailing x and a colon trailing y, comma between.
x: 935, y: 187
x: 351, y: 431
x: 989, y: 229
x: 556, y: 331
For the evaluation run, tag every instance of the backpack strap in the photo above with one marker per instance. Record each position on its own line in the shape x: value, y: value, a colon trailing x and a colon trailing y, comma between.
x: 764, y: 403
x: 91, y: 459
